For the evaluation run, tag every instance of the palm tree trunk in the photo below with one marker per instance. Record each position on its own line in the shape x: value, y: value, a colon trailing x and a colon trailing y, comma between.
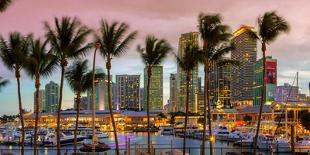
x: 37, y: 85
x: 93, y: 104
x: 186, y: 111
x: 21, y: 117
x: 59, y: 109
x: 209, y: 105
x: 78, y: 102
x: 149, y: 74
x: 263, y: 97
x: 108, y: 65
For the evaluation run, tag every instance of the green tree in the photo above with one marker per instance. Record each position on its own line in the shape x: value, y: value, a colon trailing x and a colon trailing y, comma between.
x: 79, y: 81
x: 3, y: 82
x: 4, y: 4
x: 38, y: 64
x: 270, y: 26
x: 153, y: 54
x: 114, y: 42
x: 215, y: 38
x: 13, y: 54
x: 67, y: 41
x: 187, y: 63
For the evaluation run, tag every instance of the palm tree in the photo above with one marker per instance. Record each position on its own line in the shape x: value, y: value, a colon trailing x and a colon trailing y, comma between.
x: 79, y: 81
x: 67, y: 42
x: 213, y: 33
x: 3, y: 82
x: 4, y: 4
x: 13, y: 54
x: 153, y: 54
x: 187, y: 63
x: 270, y: 26
x: 114, y: 42
x: 39, y: 63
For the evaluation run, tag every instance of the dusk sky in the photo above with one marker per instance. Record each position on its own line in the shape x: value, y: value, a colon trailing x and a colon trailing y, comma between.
x: 163, y: 18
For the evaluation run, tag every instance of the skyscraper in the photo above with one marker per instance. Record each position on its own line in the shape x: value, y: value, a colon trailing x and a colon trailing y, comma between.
x: 141, y: 98
x: 128, y: 91
x: 173, y: 92
x: 185, y: 39
x: 270, y: 80
x: 51, y: 97
x: 41, y: 100
x: 100, y: 93
x: 156, y: 88
x: 243, y: 74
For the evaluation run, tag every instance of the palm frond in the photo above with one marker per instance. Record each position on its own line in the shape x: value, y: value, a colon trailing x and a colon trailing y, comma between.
x: 4, y: 4
x: 189, y: 60
x: 3, y: 82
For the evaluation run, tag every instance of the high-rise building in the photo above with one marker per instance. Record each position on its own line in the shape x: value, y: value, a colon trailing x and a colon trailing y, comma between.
x: 220, y: 79
x: 199, y: 85
x: 100, y: 93
x: 128, y: 91
x: 184, y: 40
x: 51, y: 97
x: 41, y: 100
x: 243, y: 75
x: 142, y: 99
x: 286, y: 93
x: 270, y: 80
x: 173, y: 93
x: 156, y: 88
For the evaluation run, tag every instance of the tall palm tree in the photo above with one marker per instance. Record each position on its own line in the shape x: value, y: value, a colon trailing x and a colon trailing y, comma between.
x: 39, y: 63
x: 114, y: 42
x: 67, y: 41
x: 79, y: 81
x: 3, y: 82
x: 4, y: 4
x: 213, y: 33
x: 154, y: 52
x: 13, y: 54
x: 270, y: 26
x: 187, y: 62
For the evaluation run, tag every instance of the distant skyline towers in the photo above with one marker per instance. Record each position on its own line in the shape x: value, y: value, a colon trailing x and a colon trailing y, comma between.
x: 51, y: 97
x: 270, y: 80
x: 187, y: 38
x: 243, y: 75
x: 41, y: 100
x: 173, y: 93
x: 128, y: 91
x: 100, y: 93
x: 156, y: 88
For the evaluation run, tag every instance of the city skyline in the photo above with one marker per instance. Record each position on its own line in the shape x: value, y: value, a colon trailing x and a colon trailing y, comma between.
x: 90, y: 13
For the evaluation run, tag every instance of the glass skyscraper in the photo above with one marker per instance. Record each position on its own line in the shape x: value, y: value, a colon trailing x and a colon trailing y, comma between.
x: 127, y: 89
x: 51, y: 97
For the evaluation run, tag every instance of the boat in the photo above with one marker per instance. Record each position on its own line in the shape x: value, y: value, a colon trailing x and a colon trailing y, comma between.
x: 221, y: 133
x: 264, y: 142
x: 303, y: 146
x: 166, y: 131
x: 50, y: 139
x: 281, y: 145
x: 100, y: 147
x: 234, y: 136
x: 99, y: 135
x: 11, y: 137
x: 246, y: 140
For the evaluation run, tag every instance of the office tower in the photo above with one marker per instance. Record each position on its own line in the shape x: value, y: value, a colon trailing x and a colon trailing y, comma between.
x: 270, y: 80
x: 243, y: 74
x: 51, y: 97
x: 199, y: 85
x: 286, y: 93
x: 41, y: 100
x: 185, y: 39
x: 142, y: 99
x: 128, y: 91
x: 173, y: 93
x: 220, y: 91
x: 100, y: 93
x: 156, y: 88
x: 84, y: 103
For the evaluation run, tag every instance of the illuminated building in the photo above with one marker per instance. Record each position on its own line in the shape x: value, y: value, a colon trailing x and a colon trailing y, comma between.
x: 173, y: 93
x: 41, y: 100
x: 243, y: 74
x: 286, y: 93
x: 270, y: 82
x: 156, y: 88
x: 185, y: 39
x: 128, y: 91
x: 51, y: 97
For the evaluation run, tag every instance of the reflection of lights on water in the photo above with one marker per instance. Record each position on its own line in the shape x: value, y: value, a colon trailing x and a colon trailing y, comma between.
x: 10, y: 147
x: 45, y: 150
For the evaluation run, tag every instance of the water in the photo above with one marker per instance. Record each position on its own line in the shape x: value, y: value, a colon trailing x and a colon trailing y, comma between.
x: 161, y: 143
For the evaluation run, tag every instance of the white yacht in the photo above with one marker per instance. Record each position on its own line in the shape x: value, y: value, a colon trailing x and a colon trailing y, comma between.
x: 166, y: 131
x: 50, y: 139
x: 281, y: 145
x: 234, y: 136
x: 246, y: 140
x: 221, y: 133
x: 264, y: 142
x: 303, y: 146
